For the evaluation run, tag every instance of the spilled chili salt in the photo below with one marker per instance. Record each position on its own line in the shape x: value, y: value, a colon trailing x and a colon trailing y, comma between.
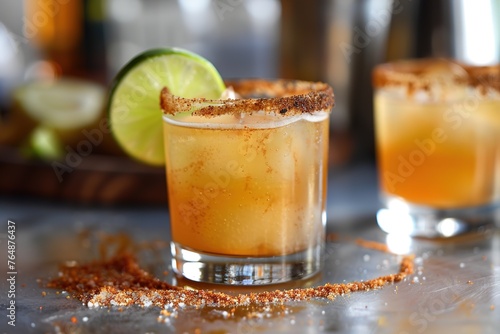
x: 119, y: 281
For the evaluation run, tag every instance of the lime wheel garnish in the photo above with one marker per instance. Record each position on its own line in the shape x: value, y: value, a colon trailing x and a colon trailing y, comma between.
x: 134, y: 102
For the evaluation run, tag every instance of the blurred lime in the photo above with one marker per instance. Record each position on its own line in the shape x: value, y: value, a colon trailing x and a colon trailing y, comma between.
x: 44, y: 143
x: 134, y: 105
x: 63, y: 104
x: 52, y: 114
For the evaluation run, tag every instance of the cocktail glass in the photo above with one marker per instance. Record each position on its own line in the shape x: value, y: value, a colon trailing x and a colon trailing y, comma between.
x: 437, y: 139
x: 247, y: 180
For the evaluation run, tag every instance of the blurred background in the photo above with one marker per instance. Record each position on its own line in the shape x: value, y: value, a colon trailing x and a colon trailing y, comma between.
x: 337, y: 41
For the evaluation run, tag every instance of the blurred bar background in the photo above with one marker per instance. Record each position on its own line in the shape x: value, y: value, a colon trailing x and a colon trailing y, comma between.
x: 337, y: 41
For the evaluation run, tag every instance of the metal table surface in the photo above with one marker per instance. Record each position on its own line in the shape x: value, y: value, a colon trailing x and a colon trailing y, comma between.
x: 455, y: 287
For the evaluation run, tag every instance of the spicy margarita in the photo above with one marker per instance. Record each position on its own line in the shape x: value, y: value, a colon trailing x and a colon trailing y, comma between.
x: 247, y: 177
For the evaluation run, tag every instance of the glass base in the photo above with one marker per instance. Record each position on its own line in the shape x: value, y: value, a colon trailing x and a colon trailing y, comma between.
x: 234, y: 270
x: 401, y: 217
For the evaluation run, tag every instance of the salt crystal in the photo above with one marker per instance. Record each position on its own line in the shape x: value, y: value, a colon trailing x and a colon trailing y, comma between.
x: 146, y: 302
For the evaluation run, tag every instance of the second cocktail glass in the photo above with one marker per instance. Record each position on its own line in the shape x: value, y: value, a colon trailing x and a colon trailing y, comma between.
x: 437, y: 138
x: 247, y: 182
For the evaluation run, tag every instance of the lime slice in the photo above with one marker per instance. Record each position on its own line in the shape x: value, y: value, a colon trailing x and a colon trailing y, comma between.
x: 134, y: 105
x: 64, y: 104
x: 44, y: 143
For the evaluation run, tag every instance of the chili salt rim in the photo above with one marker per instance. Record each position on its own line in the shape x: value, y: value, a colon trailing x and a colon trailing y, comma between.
x: 414, y: 74
x: 485, y: 76
x: 287, y: 98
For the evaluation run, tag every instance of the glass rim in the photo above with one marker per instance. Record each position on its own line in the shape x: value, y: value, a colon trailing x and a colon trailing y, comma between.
x: 281, y: 97
x: 417, y: 74
x: 240, y: 124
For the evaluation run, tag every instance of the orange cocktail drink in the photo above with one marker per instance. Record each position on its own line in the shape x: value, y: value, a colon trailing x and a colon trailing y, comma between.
x: 437, y: 146
x: 247, y: 182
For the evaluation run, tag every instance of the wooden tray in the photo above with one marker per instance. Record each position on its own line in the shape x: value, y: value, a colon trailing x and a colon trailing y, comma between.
x: 96, y: 179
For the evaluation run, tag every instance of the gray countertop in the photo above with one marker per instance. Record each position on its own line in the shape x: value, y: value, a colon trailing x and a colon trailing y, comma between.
x: 455, y: 287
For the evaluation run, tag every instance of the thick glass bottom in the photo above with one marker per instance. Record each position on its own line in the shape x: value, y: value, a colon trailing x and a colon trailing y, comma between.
x: 235, y: 270
x: 401, y: 217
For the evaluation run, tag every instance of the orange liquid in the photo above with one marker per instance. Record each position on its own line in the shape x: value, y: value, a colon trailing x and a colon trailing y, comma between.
x: 247, y: 191
x: 437, y: 154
